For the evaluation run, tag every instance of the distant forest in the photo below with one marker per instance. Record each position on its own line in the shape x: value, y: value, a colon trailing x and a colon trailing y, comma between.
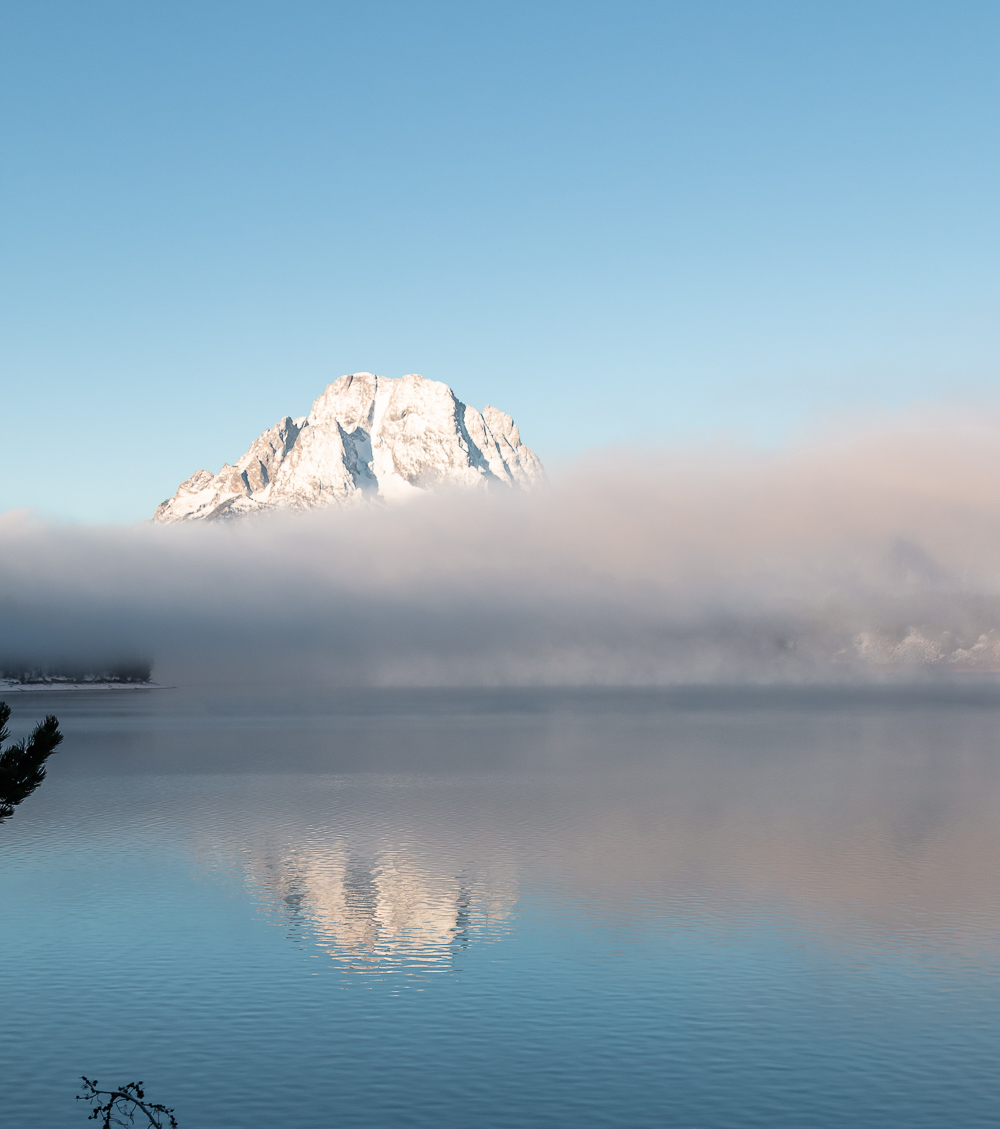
x: 132, y: 670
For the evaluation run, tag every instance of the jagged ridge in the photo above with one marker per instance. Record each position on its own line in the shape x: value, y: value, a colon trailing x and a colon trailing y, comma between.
x: 366, y: 437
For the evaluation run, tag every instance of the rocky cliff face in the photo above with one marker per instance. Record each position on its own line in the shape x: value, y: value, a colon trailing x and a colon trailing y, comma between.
x: 366, y: 437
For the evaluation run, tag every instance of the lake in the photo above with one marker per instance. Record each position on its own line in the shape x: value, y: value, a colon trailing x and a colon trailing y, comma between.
x: 509, y: 908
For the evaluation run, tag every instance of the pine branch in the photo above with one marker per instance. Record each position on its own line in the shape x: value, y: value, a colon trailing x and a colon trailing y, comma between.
x: 22, y: 765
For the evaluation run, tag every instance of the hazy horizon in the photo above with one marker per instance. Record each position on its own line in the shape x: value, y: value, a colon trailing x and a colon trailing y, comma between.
x: 855, y: 556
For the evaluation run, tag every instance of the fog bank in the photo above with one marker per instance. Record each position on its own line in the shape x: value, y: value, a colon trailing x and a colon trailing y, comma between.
x: 854, y: 557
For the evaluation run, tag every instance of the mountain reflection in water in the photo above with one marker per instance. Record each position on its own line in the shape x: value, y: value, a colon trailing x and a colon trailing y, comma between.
x: 870, y: 820
x: 508, y: 909
x: 376, y: 911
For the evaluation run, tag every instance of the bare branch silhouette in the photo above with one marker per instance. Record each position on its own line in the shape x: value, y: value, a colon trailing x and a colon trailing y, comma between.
x: 122, y: 1105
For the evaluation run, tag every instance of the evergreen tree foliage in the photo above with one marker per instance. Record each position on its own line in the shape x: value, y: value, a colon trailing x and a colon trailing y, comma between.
x: 22, y: 764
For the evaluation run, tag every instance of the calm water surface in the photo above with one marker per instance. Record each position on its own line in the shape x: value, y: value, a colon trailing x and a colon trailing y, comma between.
x: 722, y: 908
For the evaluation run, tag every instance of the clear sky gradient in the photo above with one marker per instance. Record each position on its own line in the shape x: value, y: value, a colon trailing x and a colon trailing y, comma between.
x: 620, y: 222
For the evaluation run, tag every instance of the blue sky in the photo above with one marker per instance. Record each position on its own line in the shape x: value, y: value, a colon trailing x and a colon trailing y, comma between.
x: 650, y: 223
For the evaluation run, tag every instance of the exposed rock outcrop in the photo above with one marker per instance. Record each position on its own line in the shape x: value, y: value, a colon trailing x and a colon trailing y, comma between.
x: 366, y: 437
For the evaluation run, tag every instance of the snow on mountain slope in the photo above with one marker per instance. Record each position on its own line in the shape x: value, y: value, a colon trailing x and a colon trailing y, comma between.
x: 366, y: 437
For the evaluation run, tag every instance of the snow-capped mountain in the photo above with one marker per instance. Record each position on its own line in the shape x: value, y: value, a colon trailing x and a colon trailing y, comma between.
x: 366, y: 437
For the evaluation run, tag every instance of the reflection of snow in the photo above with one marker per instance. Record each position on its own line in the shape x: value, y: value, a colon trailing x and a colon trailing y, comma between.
x: 388, y: 909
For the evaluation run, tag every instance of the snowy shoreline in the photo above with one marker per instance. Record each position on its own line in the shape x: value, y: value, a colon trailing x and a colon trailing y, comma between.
x: 25, y: 687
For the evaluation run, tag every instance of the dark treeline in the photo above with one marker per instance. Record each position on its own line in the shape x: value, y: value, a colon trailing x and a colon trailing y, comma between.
x: 30, y: 671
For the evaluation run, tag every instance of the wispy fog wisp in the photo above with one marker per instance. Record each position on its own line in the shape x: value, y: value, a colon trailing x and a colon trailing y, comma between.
x: 855, y: 557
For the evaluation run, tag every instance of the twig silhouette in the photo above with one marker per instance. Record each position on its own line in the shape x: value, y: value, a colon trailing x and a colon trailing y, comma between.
x: 123, y: 1103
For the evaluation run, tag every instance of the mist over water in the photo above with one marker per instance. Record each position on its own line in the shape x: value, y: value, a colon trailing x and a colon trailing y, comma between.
x: 669, y: 794
x: 702, y: 907
x: 838, y: 801
x: 860, y: 556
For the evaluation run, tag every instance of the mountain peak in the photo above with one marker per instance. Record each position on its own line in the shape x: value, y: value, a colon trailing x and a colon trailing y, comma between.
x: 366, y: 437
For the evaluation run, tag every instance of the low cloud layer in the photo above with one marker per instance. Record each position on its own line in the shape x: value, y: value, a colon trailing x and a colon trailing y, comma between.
x: 855, y: 557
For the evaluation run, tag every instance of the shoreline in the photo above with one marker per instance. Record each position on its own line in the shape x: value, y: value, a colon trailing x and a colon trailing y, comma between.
x: 43, y: 687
